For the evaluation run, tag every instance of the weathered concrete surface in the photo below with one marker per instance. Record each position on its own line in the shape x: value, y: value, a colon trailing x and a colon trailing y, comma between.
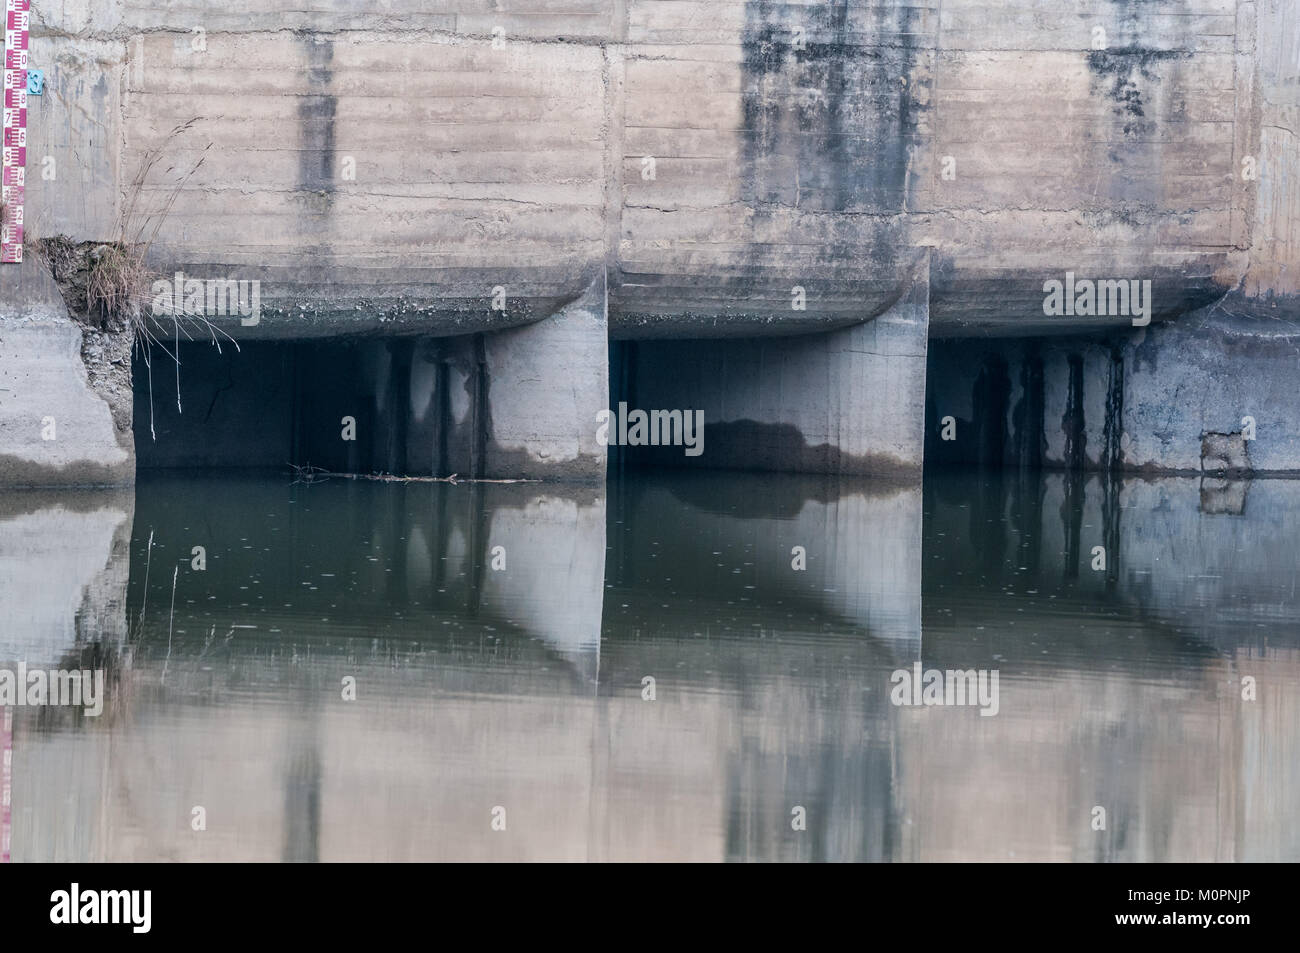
x: 55, y: 428
x: 377, y: 179
x: 1170, y: 398
x: 74, y: 129
x: 846, y: 401
x: 1189, y: 389
x: 388, y: 168
x: 545, y: 385
x: 1270, y: 212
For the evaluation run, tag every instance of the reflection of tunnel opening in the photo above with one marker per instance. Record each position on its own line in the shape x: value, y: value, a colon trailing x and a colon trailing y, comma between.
x: 401, y: 405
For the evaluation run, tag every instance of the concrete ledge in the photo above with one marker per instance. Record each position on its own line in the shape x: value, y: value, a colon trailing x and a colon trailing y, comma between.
x: 54, y: 429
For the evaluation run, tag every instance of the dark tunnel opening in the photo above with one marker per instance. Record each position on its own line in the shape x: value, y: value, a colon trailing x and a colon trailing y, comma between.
x: 400, y: 405
x: 418, y: 406
x: 1053, y: 403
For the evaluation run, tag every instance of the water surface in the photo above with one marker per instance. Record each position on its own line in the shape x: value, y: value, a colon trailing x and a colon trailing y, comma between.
x: 519, y: 691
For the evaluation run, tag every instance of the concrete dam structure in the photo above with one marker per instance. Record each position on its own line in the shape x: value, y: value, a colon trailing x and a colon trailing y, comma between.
x: 855, y: 236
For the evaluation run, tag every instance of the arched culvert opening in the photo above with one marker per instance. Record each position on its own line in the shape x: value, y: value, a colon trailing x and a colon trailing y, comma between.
x: 846, y: 401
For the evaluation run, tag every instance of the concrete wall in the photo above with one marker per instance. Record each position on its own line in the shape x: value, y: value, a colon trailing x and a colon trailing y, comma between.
x: 387, y: 171
x: 822, y: 166
x: 545, y: 385
x: 1271, y: 215
x: 65, y: 413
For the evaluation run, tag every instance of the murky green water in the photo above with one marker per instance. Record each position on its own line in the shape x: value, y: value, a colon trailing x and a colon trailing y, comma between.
x: 501, y: 637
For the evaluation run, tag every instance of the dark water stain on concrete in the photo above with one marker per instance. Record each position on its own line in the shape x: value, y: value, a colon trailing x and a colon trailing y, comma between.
x: 829, y: 119
x: 1113, y: 425
x: 1028, y: 439
x: 828, y: 126
x: 316, y: 114
x: 1072, y: 421
x: 990, y: 398
x: 1126, y: 75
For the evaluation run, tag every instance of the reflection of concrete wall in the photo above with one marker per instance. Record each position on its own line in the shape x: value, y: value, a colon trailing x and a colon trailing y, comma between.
x: 771, y: 686
x: 554, y: 552
x: 1114, y: 688
x: 1270, y: 754
x: 1213, y: 558
x: 63, y: 571
x: 740, y: 734
x: 1222, y: 571
x: 350, y: 552
x: 862, y: 541
x: 1159, y: 754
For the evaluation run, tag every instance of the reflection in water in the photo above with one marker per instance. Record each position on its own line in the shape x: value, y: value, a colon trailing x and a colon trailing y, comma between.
x: 524, y: 687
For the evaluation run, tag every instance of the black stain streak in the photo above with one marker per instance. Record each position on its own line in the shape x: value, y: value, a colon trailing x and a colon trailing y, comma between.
x: 1072, y: 422
x: 316, y: 114
x: 828, y: 127
x: 1028, y: 439
x: 1129, y: 71
x: 831, y: 127
x: 1113, y: 426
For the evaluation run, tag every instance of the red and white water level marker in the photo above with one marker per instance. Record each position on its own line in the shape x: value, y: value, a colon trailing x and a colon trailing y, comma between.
x: 13, y: 161
x: 12, y: 169
x: 6, y: 778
